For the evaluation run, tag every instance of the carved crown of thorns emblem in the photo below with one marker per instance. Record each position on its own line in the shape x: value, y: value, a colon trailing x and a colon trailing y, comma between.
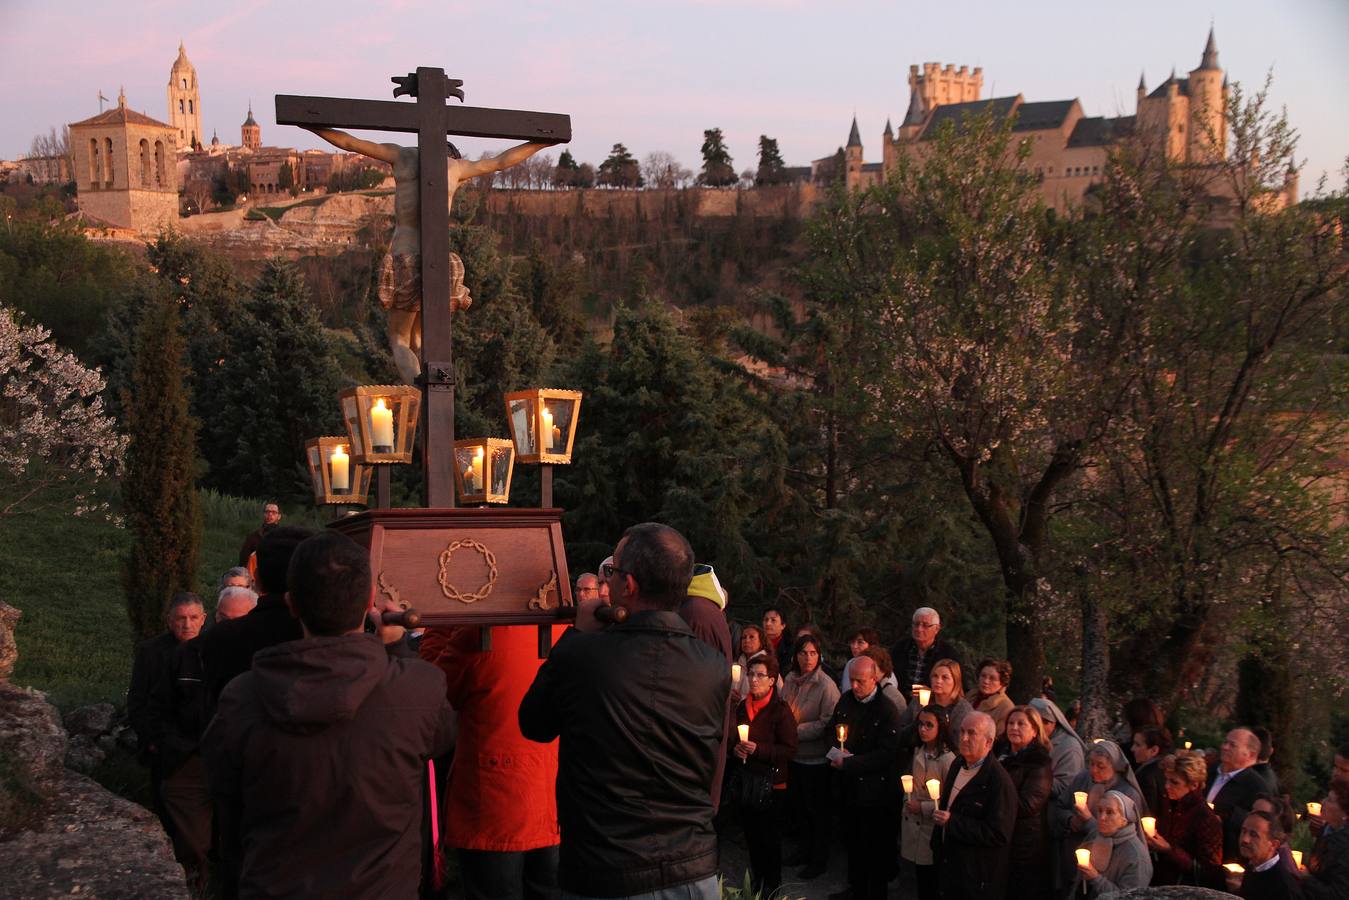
x: 452, y: 592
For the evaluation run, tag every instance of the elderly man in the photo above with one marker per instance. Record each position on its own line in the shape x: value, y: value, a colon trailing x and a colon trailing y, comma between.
x: 913, y: 656
x: 587, y: 587
x: 271, y: 517
x: 1264, y: 879
x: 234, y: 603
x: 640, y: 709
x: 868, y: 777
x: 1234, y: 786
x: 975, y: 816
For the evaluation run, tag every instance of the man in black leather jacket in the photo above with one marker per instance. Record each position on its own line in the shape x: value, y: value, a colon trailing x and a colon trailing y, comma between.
x: 639, y: 707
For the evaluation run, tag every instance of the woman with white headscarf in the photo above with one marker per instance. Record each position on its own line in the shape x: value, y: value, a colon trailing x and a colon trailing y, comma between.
x: 1119, y: 856
x: 1071, y: 822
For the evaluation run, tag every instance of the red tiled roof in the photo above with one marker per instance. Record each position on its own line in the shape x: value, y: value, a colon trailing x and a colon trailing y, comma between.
x: 121, y: 115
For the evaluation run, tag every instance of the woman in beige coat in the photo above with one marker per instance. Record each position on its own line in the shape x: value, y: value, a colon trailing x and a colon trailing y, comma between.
x: 932, y: 760
x: 812, y: 695
x: 992, y: 678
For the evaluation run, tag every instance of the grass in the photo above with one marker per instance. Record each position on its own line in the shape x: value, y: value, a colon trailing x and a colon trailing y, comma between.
x: 65, y: 574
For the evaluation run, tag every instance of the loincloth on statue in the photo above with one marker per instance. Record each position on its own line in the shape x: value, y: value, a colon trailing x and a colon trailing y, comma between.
x: 400, y: 283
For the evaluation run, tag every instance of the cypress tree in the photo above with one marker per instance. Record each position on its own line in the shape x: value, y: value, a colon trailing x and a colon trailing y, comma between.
x: 159, y: 491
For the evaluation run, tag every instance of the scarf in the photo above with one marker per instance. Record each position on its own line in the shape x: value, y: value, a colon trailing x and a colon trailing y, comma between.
x: 754, y: 707
x: 1103, y: 846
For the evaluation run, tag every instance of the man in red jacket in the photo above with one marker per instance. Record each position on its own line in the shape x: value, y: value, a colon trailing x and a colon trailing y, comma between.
x: 501, y: 799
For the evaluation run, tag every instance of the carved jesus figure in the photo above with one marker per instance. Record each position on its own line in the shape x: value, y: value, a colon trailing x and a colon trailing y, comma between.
x: 400, y: 274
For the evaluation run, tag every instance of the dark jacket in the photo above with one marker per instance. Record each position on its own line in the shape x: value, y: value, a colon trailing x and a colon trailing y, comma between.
x: 640, y: 708
x: 317, y: 762
x: 1275, y: 883
x: 1032, y: 774
x: 870, y: 777
x: 1152, y: 785
x: 971, y: 850
x: 1328, y: 868
x: 708, y: 624
x: 227, y: 649
x: 179, y: 703
x: 149, y: 668
x: 1233, y: 804
x: 250, y: 544
x: 773, y: 732
x: 900, y: 657
x: 1195, y: 834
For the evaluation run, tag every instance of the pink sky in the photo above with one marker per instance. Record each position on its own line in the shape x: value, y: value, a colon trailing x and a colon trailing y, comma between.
x: 654, y: 75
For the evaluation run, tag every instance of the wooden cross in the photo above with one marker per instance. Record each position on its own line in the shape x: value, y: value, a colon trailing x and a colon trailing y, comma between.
x: 431, y: 120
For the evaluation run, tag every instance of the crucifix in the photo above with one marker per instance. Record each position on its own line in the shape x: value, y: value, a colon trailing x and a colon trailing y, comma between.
x: 458, y: 566
x: 420, y: 308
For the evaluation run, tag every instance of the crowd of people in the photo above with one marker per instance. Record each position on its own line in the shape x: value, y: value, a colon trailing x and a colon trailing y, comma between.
x: 299, y: 746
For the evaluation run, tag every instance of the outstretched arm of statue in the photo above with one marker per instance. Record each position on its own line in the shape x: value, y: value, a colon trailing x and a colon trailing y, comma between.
x: 383, y: 152
x: 511, y: 157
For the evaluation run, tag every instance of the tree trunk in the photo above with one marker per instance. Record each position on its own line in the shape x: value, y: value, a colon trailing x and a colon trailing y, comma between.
x: 1025, y: 648
x: 1095, y: 718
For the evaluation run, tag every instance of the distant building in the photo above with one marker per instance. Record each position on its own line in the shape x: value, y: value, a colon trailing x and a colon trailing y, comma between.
x: 125, y: 171
x: 250, y: 133
x: 1184, y: 118
x: 185, y: 102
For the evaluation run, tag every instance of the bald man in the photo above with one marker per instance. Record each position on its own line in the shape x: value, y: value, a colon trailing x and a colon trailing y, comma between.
x: 1234, y: 786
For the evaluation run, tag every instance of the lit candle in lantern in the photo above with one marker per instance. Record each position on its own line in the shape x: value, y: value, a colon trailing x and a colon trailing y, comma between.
x: 1149, y: 826
x: 1313, y: 808
x: 339, y: 470
x: 842, y: 735
x: 477, y: 470
x: 924, y: 695
x: 1297, y: 858
x: 907, y: 780
x: 744, y: 732
x: 548, y: 428
x: 933, y: 788
x: 1083, y: 857
x: 381, y: 427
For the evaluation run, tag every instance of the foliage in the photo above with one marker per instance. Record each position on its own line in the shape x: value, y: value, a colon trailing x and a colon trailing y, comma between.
x: 772, y: 169
x: 718, y: 170
x: 570, y: 174
x: 229, y: 184
x: 619, y: 170
x: 661, y: 170
x: 356, y: 178
x: 285, y: 179
x: 159, y: 491
x: 59, y: 443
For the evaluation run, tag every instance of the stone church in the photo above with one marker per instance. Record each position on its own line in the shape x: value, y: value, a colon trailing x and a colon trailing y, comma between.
x: 126, y: 168
x: 1184, y: 118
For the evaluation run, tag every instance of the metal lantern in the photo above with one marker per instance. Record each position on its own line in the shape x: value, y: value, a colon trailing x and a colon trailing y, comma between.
x: 338, y: 478
x: 543, y: 424
x: 483, y: 469
x: 381, y: 421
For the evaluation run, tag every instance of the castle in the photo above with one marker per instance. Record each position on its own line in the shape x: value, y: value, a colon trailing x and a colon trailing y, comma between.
x: 129, y: 167
x: 1183, y: 118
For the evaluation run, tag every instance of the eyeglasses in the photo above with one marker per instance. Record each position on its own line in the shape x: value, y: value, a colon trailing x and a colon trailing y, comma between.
x: 609, y: 569
x: 758, y: 674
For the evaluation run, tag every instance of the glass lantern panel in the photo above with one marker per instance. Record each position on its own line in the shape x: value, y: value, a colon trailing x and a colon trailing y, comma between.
x: 522, y: 425
x: 382, y: 413
x: 556, y: 425
x: 350, y: 413
x: 501, y: 468
x: 470, y: 463
x: 316, y: 470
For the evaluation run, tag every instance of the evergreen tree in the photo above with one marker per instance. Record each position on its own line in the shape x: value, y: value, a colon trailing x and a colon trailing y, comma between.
x: 285, y: 178
x: 275, y: 388
x: 772, y: 170
x: 717, y: 168
x: 620, y: 169
x: 567, y: 170
x: 159, y: 494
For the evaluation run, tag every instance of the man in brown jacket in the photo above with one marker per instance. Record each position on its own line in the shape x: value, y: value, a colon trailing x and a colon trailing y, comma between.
x: 317, y: 755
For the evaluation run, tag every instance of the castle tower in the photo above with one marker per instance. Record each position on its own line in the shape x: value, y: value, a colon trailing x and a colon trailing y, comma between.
x: 1208, y: 109
x: 852, y: 154
x: 251, y: 132
x: 125, y: 168
x: 1164, y: 118
x: 185, y: 101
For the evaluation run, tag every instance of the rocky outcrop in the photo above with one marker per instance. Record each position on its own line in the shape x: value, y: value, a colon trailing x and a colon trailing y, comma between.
x: 60, y: 832
x: 9, y: 650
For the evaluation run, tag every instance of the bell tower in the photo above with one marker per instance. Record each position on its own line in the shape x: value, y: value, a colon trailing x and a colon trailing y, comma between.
x: 185, y: 101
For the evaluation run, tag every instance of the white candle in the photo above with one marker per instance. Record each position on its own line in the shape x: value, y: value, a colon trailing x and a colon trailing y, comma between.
x: 339, y: 468
x: 381, y: 426
x: 1188, y: 745
x: 1149, y: 826
x: 842, y: 734
x: 1313, y: 808
x: 907, y: 780
x: 469, y: 486
x: 1080, y: 799
x: 1083, y: 857
x: 744, y: 732
x: 934, y: 789
x: 478, y: 483
x: 924, y: 695
x: 1297, y: 858
x: 1234, y: 868
x: 547, y: 429
x: 735, y: 675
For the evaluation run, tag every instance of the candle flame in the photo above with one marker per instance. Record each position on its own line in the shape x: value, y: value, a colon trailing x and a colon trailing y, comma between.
x: 379, y: 404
